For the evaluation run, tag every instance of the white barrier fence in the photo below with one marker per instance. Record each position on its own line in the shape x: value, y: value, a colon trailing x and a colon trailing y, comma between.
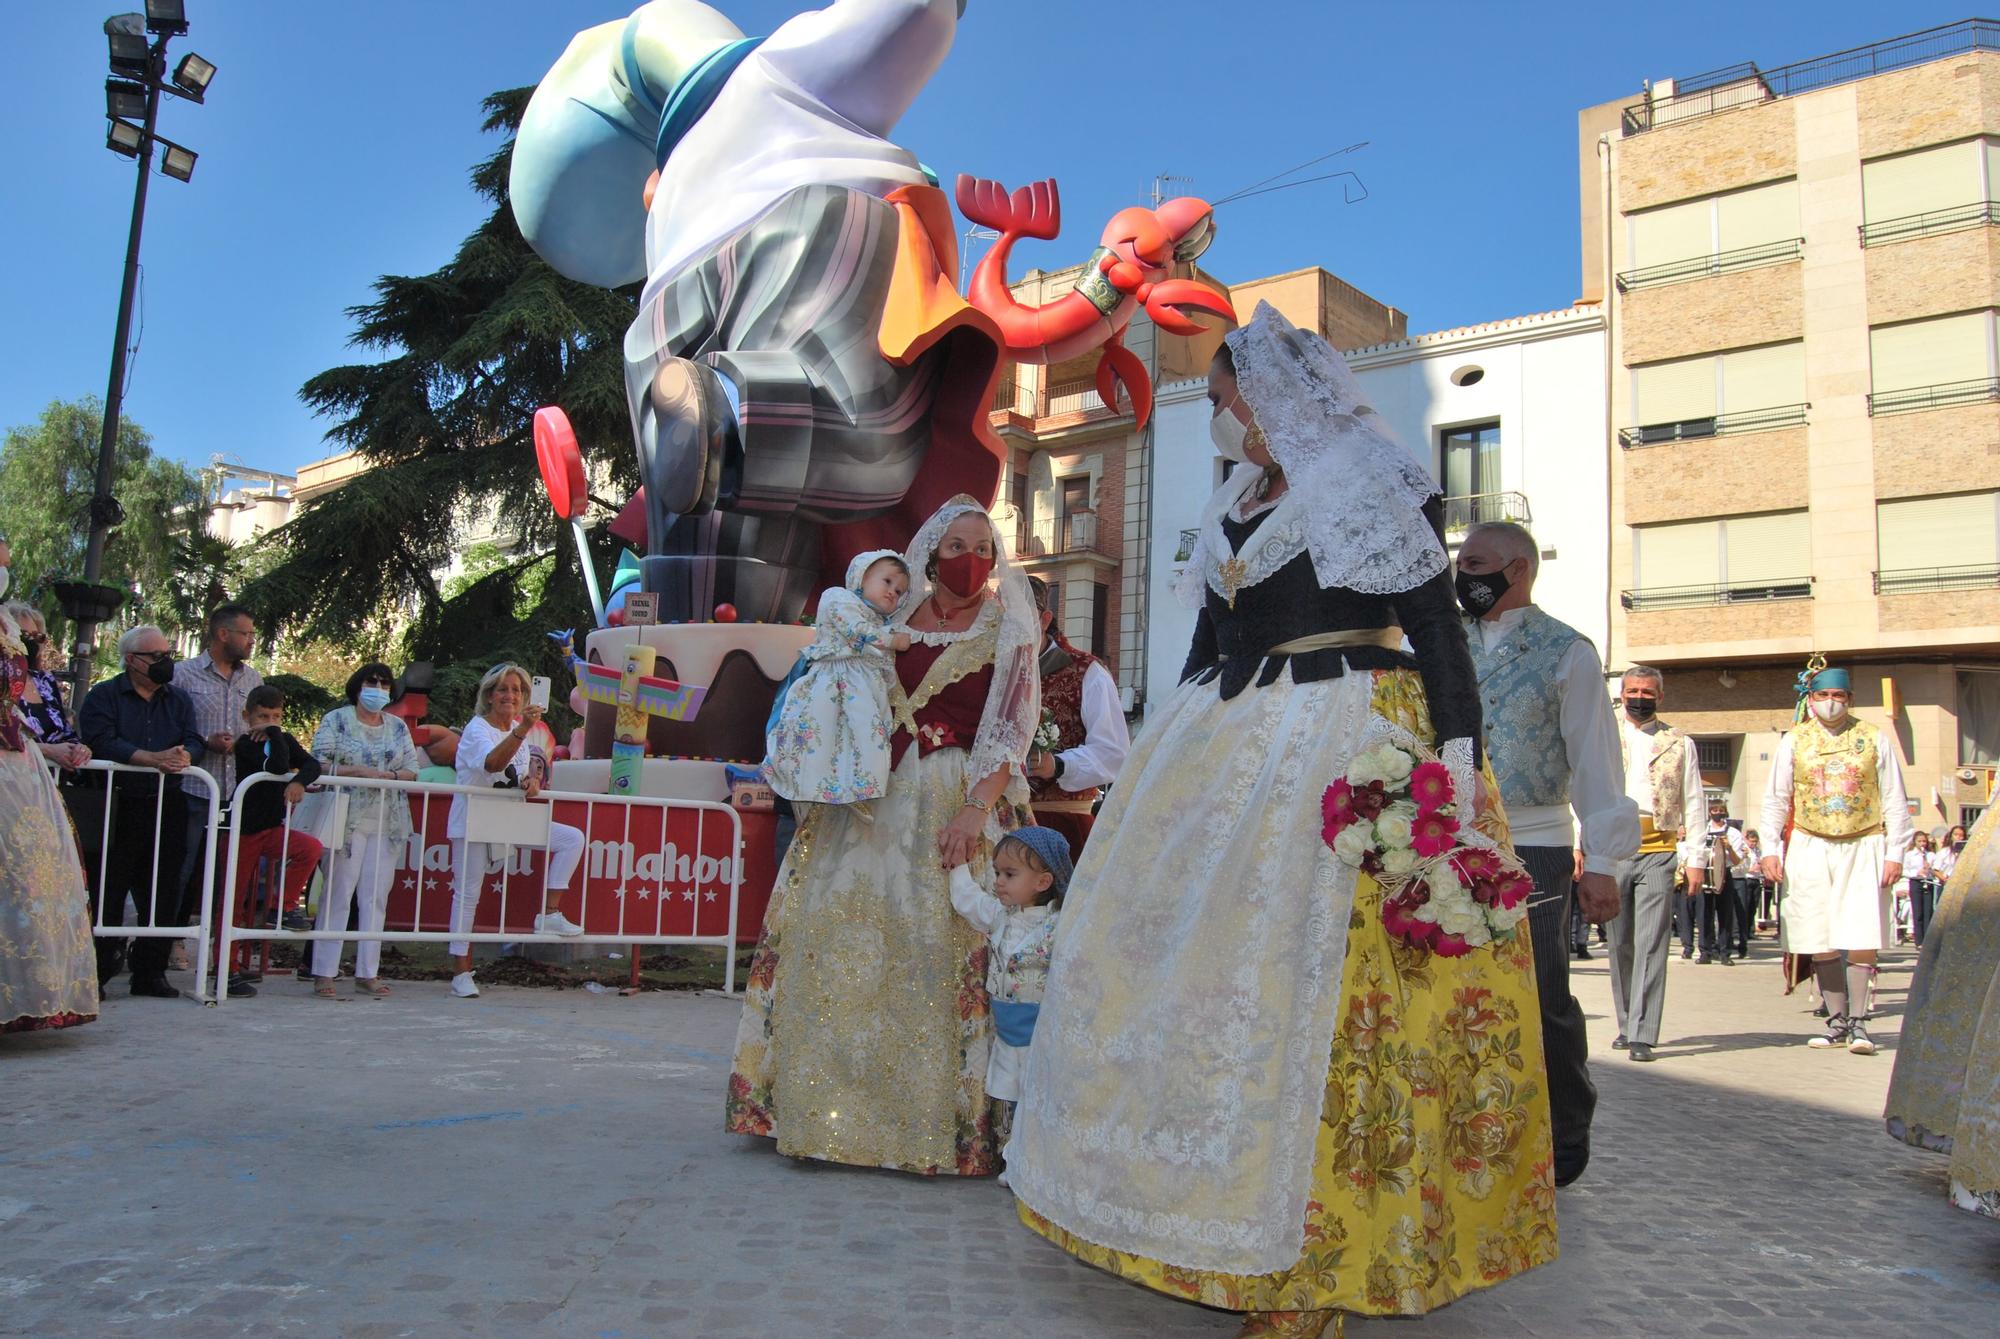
x: 648, y: 872
x: 118, y: 855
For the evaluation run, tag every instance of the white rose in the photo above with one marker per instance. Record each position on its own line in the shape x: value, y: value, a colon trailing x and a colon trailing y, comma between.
x: 1478, y: 936
x: 1427, y: 913
x: 1365, y: 768
x: 1399, y: 862
x: 1396, y: 765
x: 1393, y: 826
x: 1461, y: 918
x: 1355, y: 842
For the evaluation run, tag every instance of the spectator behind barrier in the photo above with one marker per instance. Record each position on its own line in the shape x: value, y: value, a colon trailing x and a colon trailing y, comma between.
x: 141, y: 719
x: 41, y: 700
x: 363, y: 740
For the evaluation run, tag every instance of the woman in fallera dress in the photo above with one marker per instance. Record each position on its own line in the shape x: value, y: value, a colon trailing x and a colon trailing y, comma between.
x: 48, y: 964
x: 865, y: 1031
x: 1244, y: 1090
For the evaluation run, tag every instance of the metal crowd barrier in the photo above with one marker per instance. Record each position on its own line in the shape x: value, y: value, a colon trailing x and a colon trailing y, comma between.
x: 639, y: 892
x: 149, y: 926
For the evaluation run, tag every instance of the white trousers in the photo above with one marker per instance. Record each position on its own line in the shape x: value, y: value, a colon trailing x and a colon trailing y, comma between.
x: 367, y: 864
x: 471, y: 862
x: 1834, y: 898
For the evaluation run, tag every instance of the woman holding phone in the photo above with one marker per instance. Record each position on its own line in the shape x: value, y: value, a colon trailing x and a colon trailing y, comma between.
x: 504, y: 745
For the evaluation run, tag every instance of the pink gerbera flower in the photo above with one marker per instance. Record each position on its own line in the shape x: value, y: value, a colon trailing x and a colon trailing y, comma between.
x: 1337, y: 808
x: 1450, y: 946
x: 1430, y: 786
x: 1431, y: 835
x: 1514, y: 890
x: 1399, y: 916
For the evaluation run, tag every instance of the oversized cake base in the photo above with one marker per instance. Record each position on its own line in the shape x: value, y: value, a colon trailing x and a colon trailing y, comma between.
x: 741, y: 665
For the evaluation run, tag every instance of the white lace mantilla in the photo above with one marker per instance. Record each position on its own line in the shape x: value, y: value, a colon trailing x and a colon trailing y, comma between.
x: 1353, y: 497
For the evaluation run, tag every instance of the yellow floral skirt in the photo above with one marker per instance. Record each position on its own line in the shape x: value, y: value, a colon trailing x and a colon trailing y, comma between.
x: 1432, y: 1173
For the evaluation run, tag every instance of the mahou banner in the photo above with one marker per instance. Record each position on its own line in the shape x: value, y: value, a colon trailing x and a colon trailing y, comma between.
x: 646, y: 870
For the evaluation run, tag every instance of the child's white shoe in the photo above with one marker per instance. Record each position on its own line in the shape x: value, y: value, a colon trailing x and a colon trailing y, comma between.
x: 464, y: 986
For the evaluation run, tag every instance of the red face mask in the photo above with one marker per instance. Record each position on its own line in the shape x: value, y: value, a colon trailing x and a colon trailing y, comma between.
x: 964, y: 575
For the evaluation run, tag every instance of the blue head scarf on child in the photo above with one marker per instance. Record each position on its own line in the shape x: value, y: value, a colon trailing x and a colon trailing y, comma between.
x: 1052, y: 849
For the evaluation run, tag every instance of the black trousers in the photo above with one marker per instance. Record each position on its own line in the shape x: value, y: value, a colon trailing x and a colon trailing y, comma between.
x: 1566, y: 1047
x: 1687, y: 920
x: 1748, y: 892
x: 156, y: 889
x: 1718, y: 922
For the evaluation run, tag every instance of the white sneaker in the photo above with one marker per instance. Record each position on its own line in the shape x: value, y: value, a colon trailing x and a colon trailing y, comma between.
x: 555, y: 923
x: 464, y: 986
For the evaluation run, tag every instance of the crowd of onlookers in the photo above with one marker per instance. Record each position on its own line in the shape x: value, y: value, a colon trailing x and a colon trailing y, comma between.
x: 143, y: 833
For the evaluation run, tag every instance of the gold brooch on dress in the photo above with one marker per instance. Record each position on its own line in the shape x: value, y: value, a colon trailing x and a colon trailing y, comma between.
x: 1232, y: 573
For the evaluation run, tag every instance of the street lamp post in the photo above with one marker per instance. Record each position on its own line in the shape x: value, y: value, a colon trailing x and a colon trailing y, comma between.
x: 88, y: 602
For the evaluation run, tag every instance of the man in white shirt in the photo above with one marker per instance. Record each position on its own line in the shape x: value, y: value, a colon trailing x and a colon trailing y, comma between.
x: 1554, y: 750
x: 1838, y: 782
x: 1726, y: 850
x: 1081, y: 697
x: 1663, y: 779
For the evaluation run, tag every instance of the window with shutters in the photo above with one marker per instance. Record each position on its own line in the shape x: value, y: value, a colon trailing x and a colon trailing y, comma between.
x: 1726, y: 561
x: 1743, y: 390
x: 1932, y: 364
x: 1950, y: 542
x: 1697, y: 238
x: 1934, y: 190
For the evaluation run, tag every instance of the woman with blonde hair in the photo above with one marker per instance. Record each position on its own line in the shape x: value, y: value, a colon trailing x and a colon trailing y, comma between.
x: 505, y: 744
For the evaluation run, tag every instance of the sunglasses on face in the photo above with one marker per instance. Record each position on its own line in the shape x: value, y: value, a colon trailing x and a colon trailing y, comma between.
x: 151, y: 656
x: 376, y: 680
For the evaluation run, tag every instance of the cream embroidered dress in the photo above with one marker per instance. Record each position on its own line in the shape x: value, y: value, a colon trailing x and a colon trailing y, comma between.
x: 1242, y: 1090
x: 1945, y: 1093
x: 831, y: 744
x: 865, y: 1034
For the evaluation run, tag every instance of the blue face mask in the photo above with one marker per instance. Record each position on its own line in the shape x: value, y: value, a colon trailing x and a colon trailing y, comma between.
x: 374, y: 699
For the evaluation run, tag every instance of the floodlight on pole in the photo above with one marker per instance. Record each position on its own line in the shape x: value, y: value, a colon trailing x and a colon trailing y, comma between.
x: 125, y: 100
x: 125, y: 138
x: 176, y: 161
x: 191, y: 76
x: 167, y: 18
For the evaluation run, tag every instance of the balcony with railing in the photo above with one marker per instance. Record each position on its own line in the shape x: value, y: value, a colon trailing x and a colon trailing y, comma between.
x: 1722, y: 262
x: 1466, y: 510
x: 1716, y: 425
x: 1059, y: 536
x: 1915, y: 580
x: 1744, y: 84
x: 1697, y: 597
x: 1984, y: 214
x: 1914, y: 398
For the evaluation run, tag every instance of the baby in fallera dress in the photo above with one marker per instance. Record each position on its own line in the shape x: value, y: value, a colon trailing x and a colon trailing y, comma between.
x: 830, y: 741
x: 1031, y: 872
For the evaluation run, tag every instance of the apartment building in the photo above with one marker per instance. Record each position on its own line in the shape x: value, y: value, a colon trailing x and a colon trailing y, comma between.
x: 1800, y: 271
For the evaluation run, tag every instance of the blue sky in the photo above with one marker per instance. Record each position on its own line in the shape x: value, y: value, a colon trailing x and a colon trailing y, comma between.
x: 337, y: 138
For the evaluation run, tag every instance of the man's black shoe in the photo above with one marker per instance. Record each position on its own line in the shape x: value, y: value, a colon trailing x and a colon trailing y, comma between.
x: 1640, y: 1051
x: 154, y: 986
x: 1618, y: 1044
x: 240, y: 987
x: 1706, y: 959
x: 1582, y: 953
x: 1569, y: 1166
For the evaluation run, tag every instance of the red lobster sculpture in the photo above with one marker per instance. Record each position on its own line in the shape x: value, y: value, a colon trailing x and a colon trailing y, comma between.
x: 1127, y: 271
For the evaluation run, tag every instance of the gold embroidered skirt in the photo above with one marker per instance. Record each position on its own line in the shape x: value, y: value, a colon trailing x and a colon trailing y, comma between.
x: 865, y: 1029
x: 48, y: 966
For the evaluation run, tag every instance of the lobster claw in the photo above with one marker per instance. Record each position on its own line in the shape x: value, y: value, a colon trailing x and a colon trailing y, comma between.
x: 1120, y: 364
x: 1164, y: 304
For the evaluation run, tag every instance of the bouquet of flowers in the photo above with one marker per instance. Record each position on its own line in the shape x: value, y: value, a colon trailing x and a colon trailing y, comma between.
x: 1395, y: 816
x: 1048, y: 735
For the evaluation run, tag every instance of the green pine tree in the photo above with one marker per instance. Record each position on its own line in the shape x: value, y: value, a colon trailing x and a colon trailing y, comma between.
x: 467, y: 353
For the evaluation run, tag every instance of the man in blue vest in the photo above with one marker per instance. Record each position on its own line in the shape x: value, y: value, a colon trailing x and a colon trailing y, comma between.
x: 1553, y: 744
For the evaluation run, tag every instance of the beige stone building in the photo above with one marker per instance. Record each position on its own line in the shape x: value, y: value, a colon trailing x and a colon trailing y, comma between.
x: 1801, y: 273
x: 1080, y: 495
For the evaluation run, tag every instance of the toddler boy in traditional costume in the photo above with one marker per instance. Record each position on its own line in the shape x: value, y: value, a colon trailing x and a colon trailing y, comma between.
x: 831, y: 741
x: 1031, y: 872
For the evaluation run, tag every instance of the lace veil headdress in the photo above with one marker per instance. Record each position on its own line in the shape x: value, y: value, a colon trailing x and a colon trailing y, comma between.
x: 1353, y: 496
x: 1014, y: 703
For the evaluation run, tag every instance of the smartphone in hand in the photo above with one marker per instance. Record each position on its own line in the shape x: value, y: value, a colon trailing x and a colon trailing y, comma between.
x: 538, y: 692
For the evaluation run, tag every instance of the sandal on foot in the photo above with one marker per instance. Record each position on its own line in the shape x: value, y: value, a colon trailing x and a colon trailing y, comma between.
x: 323, y: 988
x: 370, y: 986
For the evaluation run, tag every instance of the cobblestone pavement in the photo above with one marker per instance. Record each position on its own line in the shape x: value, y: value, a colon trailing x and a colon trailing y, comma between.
x: 537, y: 1163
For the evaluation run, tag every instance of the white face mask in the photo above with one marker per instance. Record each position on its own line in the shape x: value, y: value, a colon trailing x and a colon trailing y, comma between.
x: 1229, y: 432
x: 1829, y: 710
x: 6, y: 577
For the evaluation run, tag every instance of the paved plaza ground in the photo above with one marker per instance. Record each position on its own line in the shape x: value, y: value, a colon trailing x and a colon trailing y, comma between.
x: 552, y: 1163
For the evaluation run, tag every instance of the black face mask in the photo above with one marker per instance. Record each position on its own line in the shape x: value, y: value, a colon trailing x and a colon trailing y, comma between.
x: 34, y: 647
x: 1479, y: 593
x: 1641, y: 709
x: 161, y: 672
